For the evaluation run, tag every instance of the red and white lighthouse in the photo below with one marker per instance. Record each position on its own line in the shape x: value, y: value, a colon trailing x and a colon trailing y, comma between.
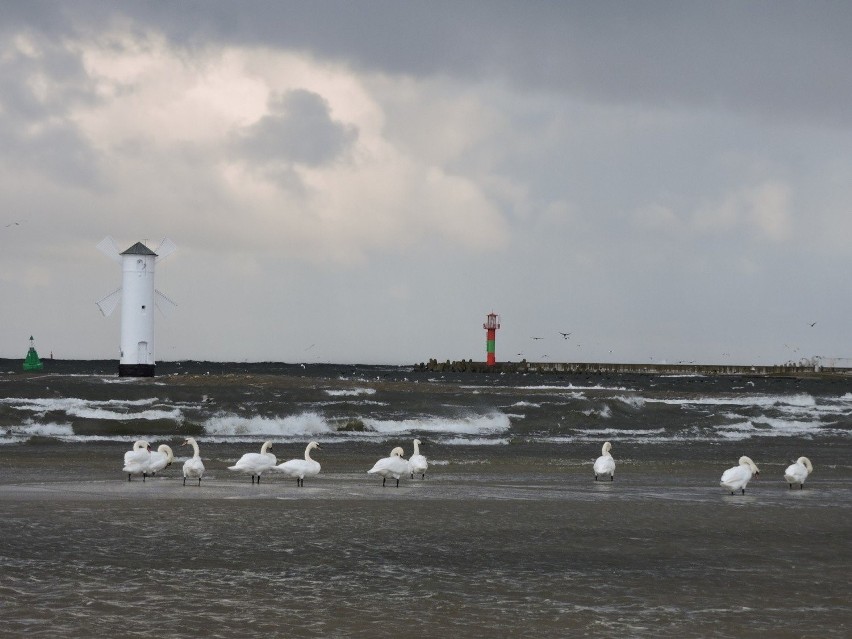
x: 492, y: 323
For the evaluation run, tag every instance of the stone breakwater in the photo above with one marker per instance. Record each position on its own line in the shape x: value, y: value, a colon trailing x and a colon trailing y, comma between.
x: 470, y: 366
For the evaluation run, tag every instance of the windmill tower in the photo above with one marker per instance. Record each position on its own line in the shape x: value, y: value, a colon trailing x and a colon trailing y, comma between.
x: 138, y: 298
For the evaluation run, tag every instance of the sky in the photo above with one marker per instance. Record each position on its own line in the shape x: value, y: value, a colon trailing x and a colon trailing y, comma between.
x: 363, y: 182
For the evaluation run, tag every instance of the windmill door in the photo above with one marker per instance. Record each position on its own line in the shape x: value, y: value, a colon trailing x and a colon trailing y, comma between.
x: 142, y: 353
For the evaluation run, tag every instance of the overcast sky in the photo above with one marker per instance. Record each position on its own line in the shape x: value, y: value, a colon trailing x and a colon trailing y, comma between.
x: 362, y: 182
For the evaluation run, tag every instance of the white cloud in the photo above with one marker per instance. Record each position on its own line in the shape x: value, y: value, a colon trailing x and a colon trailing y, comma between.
x: 762, y: 210
x: 164, y: 126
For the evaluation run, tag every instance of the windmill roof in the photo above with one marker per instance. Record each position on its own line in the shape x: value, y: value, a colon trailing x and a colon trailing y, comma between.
x: 138, y: 249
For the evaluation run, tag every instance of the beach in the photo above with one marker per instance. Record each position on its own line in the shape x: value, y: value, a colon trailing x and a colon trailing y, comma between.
x: 509, y: 535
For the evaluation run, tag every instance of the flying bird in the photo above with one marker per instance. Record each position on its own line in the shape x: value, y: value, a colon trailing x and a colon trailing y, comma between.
x: 813, y: 324
x: 536, y: 338
x: 564, y: 335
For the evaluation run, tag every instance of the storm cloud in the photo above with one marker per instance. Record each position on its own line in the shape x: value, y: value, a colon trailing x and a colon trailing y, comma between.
x: 666, y: 180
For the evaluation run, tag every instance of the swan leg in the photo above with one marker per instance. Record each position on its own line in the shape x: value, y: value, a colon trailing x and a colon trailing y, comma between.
x: 143, y: 476
x: 743, y: 491
x: 397, y: 482
x: 412, y: 475
x: 596, y: 477
x: 802, y: 486
x: 184, y: 480
x: 424, y: 476
x: 791, y: 485
x: 128, y: 479
x: 612, y: 477
x: 199, y: 481
x: 383, y: 481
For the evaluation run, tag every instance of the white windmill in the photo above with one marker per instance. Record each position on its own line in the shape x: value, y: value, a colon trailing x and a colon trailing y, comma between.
x: 138, y: 298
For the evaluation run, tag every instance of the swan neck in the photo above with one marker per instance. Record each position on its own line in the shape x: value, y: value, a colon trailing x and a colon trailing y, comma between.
x: 195, y: 450
x: 416, y: 448
x: 308, y: 454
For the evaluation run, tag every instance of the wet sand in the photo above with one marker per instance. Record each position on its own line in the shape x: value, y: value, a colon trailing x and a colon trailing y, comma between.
x: 497, y: 549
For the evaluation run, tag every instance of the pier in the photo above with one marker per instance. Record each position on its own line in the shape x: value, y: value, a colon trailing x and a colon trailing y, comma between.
x: 777, y: 370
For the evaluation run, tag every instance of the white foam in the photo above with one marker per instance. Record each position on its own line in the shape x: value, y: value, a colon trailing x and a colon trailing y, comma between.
x: 473, y: 425
x: 352, y: 392
x: 603, y: 413
x: 632, y: 400
x: 801, y: 400
x: 474, y: 441
x: 619, y: 432
x: 303, y: 424
x: 571, y: 387
x: 524, y: 404
x: 111, y: 409
x: 43, y: 430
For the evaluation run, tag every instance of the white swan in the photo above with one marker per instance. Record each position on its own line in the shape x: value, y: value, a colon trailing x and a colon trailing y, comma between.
x: 417, y: 462
x: 394, y: 466
x: 193, y: 467
x: 136, y: 460
x: 797, y: 473
x: 301, y: 468
x: 605, y: 464
x: 256, y: 463
x: 160, y: 459
x: 737, y: 478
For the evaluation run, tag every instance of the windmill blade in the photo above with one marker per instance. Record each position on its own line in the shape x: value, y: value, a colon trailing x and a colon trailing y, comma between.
x: 108, y: 303
x: 108, y: 247
x: 166, y: 248
x: 163, y: 303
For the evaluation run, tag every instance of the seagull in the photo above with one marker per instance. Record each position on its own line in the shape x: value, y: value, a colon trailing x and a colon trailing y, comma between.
x: 564, y: 335
x: 536, y: 338
x: 813, y: 324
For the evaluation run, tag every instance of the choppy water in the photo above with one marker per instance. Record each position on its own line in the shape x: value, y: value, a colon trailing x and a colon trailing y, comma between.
x: 509, y: 536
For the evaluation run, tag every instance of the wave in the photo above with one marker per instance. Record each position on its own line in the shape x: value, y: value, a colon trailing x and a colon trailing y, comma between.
x: 474, y: 441
x: 802, y: 400
x: 633, y: 401
x: 474, y: 425
x: 572, y: 387
x: 603, y: 413
x: 111, y: 409
x: 352, y: 392
x: 303, y: 424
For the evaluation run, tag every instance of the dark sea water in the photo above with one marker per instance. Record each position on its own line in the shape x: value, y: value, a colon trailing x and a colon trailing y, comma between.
x: 509, y: 535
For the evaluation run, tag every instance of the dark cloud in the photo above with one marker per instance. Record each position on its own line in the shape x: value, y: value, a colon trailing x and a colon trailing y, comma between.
x: 298, y: 129
x: 786, y: 59
x: 38, y: 89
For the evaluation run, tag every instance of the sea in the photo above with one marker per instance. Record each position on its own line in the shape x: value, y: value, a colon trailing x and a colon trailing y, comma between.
x: 508, y: 535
